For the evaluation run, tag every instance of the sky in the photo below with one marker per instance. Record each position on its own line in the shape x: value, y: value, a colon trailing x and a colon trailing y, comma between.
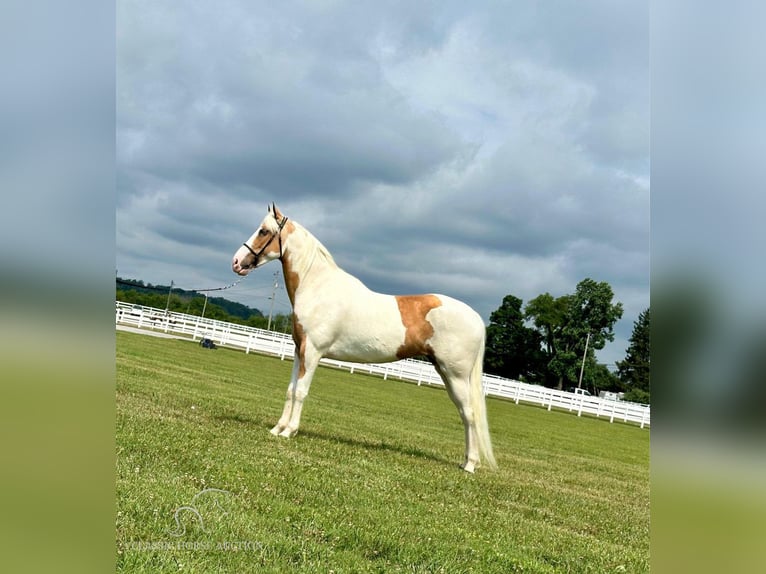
x: 473, y: 149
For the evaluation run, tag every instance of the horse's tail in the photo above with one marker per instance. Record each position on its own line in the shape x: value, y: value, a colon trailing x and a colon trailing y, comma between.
x: 479, y: 408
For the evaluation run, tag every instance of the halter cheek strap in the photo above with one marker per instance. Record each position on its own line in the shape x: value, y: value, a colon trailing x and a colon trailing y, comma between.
x: 262, y: 249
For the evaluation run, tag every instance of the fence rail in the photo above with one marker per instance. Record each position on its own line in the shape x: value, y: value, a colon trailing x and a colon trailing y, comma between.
x: 420, y: 372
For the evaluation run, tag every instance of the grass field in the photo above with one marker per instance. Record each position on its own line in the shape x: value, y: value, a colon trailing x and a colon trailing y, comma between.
x: 370, y: 484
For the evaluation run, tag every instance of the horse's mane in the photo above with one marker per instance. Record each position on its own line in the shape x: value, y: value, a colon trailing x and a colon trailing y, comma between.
x: 319, y: 249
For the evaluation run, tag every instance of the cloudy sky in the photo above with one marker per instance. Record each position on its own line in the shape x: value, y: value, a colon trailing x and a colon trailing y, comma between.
x: 473, y: 149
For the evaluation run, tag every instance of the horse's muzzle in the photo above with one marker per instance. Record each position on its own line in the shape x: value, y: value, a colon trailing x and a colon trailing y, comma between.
x: 238, y: 267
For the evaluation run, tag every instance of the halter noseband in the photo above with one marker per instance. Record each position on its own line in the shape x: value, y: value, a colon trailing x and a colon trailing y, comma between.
x: 281, y: 225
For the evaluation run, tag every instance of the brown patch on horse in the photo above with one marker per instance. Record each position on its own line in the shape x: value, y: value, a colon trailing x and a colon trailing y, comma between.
x: 299, y: 338
x: 292, y: 279
x: 413, y: 309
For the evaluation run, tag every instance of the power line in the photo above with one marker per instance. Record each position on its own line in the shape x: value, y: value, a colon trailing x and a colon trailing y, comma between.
x: 229, y: 286
x: 164, y: 287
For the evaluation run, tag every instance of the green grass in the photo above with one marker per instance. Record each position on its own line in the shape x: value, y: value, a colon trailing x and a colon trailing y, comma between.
x: 371, y: 482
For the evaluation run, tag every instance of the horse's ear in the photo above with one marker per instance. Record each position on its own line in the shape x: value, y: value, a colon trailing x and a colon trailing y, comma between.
x: 275, y: 211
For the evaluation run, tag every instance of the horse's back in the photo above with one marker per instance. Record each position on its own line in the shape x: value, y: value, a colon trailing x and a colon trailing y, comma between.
x: 374, y: 327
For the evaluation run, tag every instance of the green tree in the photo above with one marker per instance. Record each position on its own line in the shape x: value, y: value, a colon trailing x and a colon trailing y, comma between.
x: 600, y: 378
x: 634, y: 370
x: 565, y: 324
x: 513, y: 349
x: 548, y: 315
x: 591, y: 318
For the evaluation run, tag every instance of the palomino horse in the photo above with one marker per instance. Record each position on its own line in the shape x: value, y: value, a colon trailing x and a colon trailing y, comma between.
x: 336, y: 316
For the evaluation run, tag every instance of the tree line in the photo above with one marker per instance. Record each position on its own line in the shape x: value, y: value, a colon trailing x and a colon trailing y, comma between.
x: 544, y: 342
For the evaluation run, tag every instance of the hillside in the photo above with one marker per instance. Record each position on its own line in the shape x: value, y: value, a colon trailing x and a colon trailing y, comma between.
x: 183, y: 301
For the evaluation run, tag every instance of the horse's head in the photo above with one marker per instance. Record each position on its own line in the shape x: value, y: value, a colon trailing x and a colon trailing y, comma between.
x: 264, y: 245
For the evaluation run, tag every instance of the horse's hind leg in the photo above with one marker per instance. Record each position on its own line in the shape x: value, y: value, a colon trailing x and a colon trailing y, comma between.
x: 458, y: 389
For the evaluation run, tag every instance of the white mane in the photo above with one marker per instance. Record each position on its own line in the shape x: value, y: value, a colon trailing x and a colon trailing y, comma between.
x: 307, y: 257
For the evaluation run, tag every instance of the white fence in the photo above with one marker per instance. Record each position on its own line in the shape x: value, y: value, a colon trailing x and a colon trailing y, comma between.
x: 420, y: 372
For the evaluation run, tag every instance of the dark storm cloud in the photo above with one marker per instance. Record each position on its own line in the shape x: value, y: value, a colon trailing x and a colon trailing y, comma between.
x: 250, y: 102
x: 476, y: 151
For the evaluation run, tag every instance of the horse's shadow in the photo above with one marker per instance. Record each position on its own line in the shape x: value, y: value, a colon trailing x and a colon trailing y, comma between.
x: 382, y: 446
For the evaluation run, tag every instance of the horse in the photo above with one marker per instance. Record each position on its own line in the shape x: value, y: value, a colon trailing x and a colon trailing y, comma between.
x: 336, y: 316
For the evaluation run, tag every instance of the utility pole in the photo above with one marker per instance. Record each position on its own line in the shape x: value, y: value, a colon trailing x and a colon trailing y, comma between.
x: 273, y: 296
x: 204, y: 307
x: 582, y: 367
x: 167, y: 306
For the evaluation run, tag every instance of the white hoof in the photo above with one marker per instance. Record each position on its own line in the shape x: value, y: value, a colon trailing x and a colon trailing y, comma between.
x: 276, y: 430
x: 287, y: 432
x: 468, y: 467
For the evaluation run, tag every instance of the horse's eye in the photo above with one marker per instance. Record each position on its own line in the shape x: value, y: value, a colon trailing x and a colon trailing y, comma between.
x: 262, y: 232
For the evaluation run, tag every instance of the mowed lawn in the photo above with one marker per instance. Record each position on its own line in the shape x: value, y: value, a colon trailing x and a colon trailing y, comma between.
x: 371, y: 482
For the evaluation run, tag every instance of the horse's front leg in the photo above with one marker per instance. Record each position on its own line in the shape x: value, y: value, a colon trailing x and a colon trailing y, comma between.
x: 287, y: 411
x: 309, y: 360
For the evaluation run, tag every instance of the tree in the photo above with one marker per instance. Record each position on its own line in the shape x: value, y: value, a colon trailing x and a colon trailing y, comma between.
x: 634, y: 370
x: 548, y: 315
x: 565, y: 324
x: 600, y: 378
x: 513, y: 349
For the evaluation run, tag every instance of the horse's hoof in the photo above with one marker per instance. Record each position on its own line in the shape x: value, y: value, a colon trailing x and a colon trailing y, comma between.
x: 287, y: 432
x: 468, y: 467
x: 276, y: 430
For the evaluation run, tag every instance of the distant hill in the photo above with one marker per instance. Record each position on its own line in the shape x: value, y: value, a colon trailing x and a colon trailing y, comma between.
x: 136, y: 291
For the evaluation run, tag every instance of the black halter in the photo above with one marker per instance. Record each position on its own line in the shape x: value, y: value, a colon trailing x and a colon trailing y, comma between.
x: 278, y: 234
